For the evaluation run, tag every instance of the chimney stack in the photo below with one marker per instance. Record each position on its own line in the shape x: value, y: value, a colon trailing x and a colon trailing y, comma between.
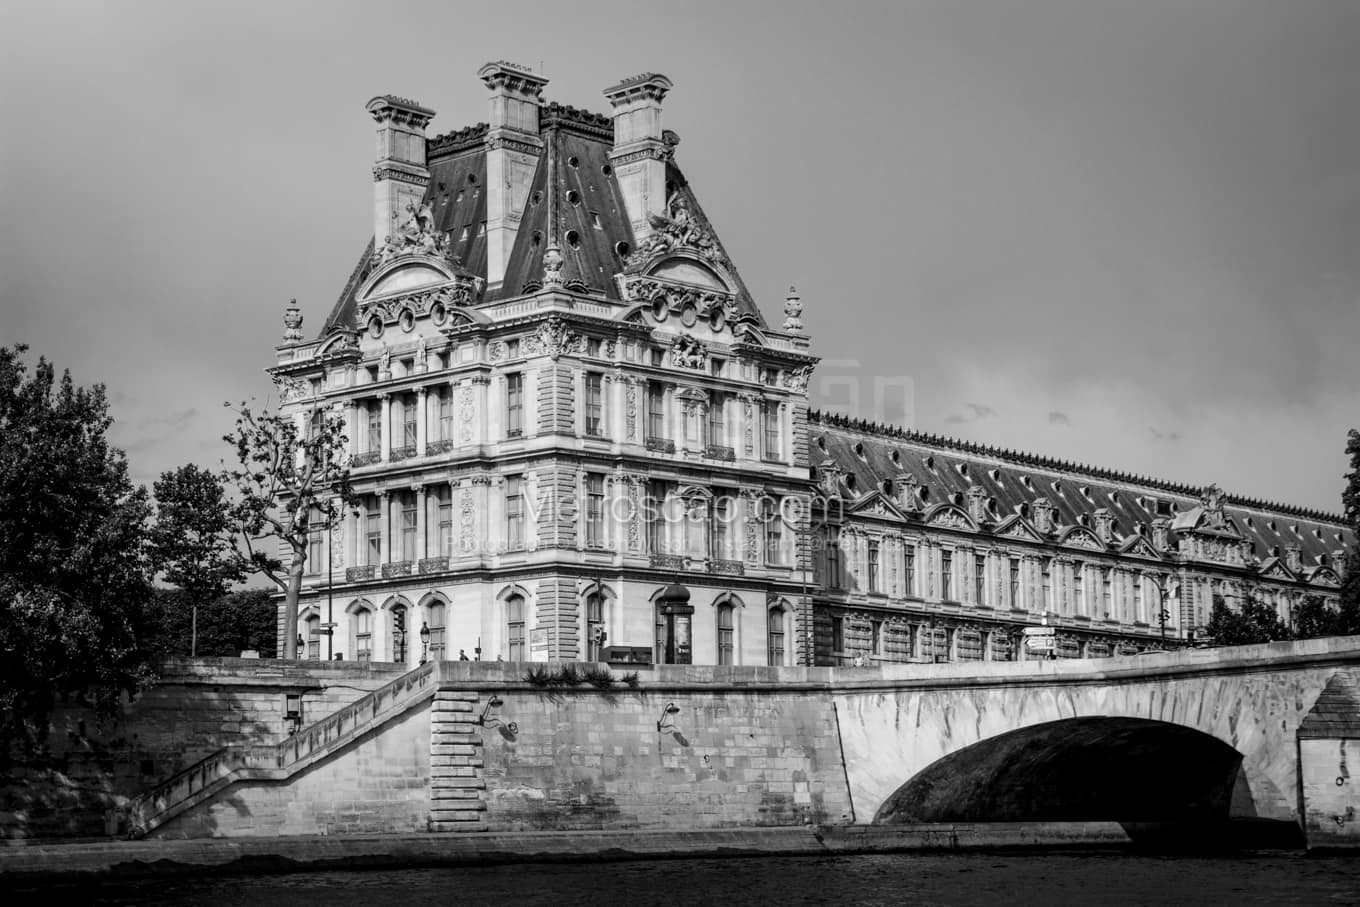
x: 399, y: 176
x: 513, y: 148
x: 639, y: 155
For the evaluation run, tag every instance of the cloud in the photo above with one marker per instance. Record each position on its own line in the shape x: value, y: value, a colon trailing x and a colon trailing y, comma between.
x: 174, y: 421
x: 1168, y: 436
x: 1058, y: 417
x: 975, y: 412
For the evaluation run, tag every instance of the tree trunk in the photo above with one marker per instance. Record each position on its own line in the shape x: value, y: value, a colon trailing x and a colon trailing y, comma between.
x: 290, y: 603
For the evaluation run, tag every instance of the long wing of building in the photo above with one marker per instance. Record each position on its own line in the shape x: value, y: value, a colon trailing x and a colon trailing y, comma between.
x: 574, y: 435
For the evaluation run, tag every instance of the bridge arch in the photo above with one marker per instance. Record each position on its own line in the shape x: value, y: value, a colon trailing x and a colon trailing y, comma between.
x: 1097, y: 768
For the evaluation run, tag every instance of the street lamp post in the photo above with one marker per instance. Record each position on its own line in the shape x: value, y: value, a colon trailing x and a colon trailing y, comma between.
x: 424, y: 642
x: 1163, y: 615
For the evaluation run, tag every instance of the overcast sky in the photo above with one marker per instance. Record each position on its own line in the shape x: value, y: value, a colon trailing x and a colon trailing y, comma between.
x: 1117, y: 233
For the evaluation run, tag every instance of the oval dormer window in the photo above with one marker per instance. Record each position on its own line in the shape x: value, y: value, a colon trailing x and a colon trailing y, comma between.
x: 375, y: 327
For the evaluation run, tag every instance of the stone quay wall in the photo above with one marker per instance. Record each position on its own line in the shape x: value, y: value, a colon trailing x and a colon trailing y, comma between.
x: 88, y: 767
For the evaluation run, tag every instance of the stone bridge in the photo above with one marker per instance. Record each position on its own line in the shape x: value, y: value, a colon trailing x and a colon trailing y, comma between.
x: 1181, y: 737
x: 1182, y: 741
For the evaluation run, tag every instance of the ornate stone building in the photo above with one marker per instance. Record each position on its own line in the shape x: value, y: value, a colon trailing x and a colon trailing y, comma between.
x: 574, y: 435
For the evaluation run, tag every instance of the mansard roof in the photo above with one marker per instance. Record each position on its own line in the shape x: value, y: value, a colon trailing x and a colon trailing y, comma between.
x: 871, y: 454
x: 588, y: 204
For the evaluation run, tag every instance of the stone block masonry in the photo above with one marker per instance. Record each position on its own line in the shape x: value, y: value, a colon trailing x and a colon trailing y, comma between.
x: 723, y: 759
x: 457, y: 801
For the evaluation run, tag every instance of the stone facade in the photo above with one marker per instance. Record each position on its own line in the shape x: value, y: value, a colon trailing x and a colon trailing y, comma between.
x: 560, y: 397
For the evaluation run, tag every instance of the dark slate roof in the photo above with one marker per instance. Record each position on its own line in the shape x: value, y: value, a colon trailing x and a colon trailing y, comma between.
x: 1012, y: 478
x: 581, y: 142
x: 1336, y: 712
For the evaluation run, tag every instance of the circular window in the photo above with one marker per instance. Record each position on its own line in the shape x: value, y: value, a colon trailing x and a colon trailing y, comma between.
x: 537, y: 238
x: 472, y: 179
x: 606, y: 169
x: 407, y: 320
x: 574, y: 197
x: 375, y: 327
x: 660, y: 310
x: 439, y: 314
x: 717, y: 320
x: 573, y: 161
x: 573, y: 239
x: 689, y: 316
x: 622, y: 248
x: 536, y: 198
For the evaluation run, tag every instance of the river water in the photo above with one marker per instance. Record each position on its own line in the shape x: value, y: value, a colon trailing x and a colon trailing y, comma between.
x: 1105, y: 879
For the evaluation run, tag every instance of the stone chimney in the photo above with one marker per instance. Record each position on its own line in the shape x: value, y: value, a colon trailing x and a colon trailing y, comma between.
x: 399, y: 176
x: 513, y: 148
x: 639, y: 155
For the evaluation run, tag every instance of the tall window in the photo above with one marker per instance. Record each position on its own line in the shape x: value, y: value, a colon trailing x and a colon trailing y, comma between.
x: 720, y: 535
x: 717, y: 426
x: 594, y: 510
x: 314, y: 636
x: 514, y: 628
x: 514, y: 513
x: 514, y: 405
x: 725, y: 634
x: 408, y: 421
x: 1138, y: 613
x: 909, y: 569
x: 435, y: 621
x: 315, y: 539
x: 837, y: 634
x: 876, y: 637
x: 769, y: 418
x: 595, y: 632
x: 1079, y: 588
x: 408, y: 525
x: 373, y: 529
x: 362, y: 622
x: 444, y: 497
x: 947, y: 575
x: 979, y: 578
x: 1015, y: 582
x: 399, y: 634
x: 594, y: 404
x: 833, y: 559
x: 656, y: 410
x: 655, y: 516
x: 773, y: 522
x: 1106, y: 599
x: 445, y: 413
x: 873, y: 565
x: 1047, y: 583
x: 374, y: 421
x: 774, y: 635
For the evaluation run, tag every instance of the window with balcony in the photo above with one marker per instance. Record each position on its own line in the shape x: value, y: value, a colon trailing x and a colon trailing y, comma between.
x: 772, y: 520
x: 656, y: 412
x: 947, y: 575
x: 514, y: 405
x: 315, y: 540
x: 373, y: 530
x: 594, y: 510
x: 594, y: 409
x: 654, y: 515
x: 909, y: 568
x: 373, y: 424
x: 717, y: 423
x: 720, y: 534
x: 1014, y: 598
x: 979, y: 578
x: 444, y: 506
x: 408, y: 525
x: 444, y: 429
x: 769, y: 419
x: 834, y: 567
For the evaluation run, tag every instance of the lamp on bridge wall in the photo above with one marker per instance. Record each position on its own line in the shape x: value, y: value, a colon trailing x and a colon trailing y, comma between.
x: 292, y: 712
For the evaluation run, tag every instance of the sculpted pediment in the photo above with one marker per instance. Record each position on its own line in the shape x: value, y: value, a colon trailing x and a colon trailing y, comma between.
x: 948, y: 516
x: 1325, y: 576
x: 875, y: 504
x: 1017, y: 527
x: 1137, y: 546
x: 1274, y: 568
x: 1080, y: 537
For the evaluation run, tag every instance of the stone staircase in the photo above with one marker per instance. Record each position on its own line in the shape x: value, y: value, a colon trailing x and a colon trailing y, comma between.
x: 207, y: 778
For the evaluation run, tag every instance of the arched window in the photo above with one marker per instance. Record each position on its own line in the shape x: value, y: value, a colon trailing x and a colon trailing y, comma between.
x: 725, y: 647
x: 434, y: 619
x: 774, y: 635
x: 399, y: 636
x: 514, y: 627
x: 361, y: 623
x: 313, y: 624
x: 662, y: 637
x: 595, y: 631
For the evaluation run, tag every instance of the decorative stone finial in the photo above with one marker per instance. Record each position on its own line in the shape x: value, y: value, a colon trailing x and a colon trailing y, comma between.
x: 793, y: 308
x: 292, y: 323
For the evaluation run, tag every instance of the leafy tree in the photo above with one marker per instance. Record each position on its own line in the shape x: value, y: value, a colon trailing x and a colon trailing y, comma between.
x: 289, y: 482
x: 1255, y: 622
x: 227, y: 626
x: 1312, y: 618
x: 1348, y: 621
x: 190, y: 539
x: 74, y: 573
